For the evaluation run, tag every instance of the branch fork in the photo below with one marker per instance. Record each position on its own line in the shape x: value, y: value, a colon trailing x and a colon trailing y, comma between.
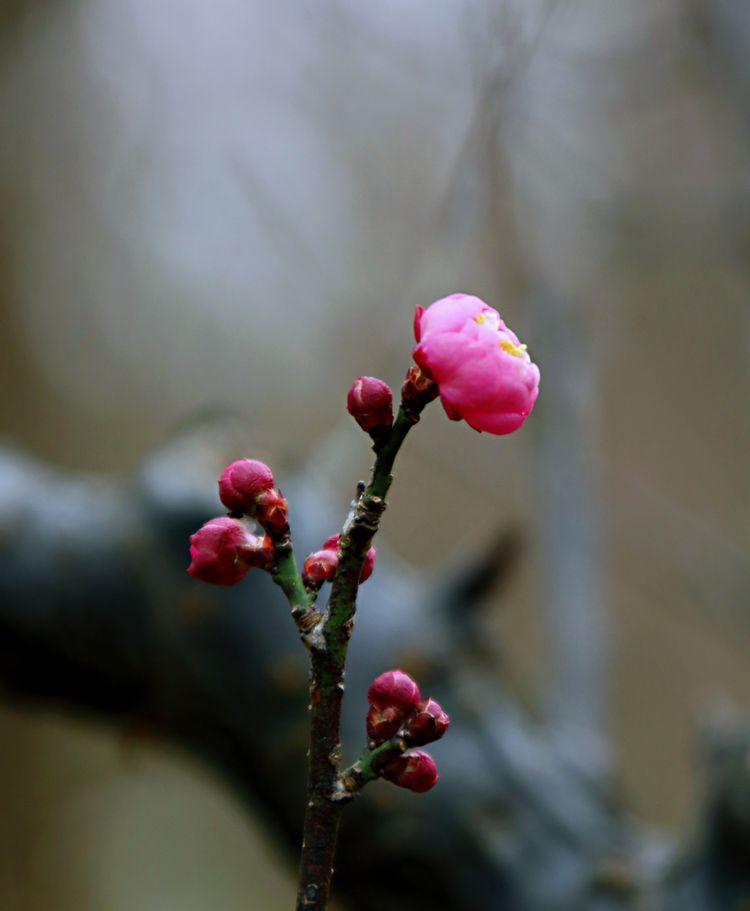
x: 494, y: 392
x: 225, y: 549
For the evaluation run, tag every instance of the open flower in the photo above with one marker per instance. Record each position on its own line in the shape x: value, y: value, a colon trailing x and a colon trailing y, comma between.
x: 484, y: 373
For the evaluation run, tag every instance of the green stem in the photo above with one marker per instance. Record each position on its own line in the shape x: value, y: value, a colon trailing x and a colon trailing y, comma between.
x: 287, y: 576
x: 369, y: 766
x: 324, y: 797
x: 359, y: 530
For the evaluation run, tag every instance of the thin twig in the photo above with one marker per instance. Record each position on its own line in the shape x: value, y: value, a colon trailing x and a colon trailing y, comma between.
x: 328, y: 658
x: 369, y: 767
x: 287, y: 576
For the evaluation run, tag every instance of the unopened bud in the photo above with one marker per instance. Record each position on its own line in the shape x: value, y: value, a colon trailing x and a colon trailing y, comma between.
x: 394, y: 688
x: 418, y: 389
x: 242, y: 482
x: 320, y: 567
x: 223, y: 550
x: 383, y: 723
x: 370, y: 402
x: 272, y: 512
x: 415, y: 770
x: 367, y: 567
x: 427, y: 724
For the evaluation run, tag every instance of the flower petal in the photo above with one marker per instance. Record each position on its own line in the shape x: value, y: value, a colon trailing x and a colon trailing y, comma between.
x: 451, y: 314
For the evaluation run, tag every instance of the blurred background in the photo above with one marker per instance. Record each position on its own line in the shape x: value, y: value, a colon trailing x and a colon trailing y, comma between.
x: 236, y: 206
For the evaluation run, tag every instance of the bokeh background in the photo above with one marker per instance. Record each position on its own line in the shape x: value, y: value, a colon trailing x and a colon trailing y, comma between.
x: 237, y: 205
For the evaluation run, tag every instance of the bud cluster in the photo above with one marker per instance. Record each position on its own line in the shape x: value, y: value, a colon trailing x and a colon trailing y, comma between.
x: 397, y: 708
x: 321, y: 565
x: 224, y: 550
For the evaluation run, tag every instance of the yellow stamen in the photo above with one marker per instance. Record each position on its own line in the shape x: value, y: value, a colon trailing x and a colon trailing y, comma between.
x: 511, y: 348
x: 480, y: 318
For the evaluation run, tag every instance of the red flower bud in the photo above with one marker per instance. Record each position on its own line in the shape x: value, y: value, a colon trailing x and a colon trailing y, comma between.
x: 272, y: 512
x: 416, y: 771
x: 427, y: 724
x: 223, y: 550
x: 418, y: 389
x: 370, y: 402
x: 367, y: 567
x: 383, y: 723
x: 242, y: 482
x: 394, y: 688
x: 320, y: 567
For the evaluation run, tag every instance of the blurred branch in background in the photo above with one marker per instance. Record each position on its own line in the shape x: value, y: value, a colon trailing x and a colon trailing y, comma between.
x: 567, y: 497
x: 723, y: 28
x: 114, y: 627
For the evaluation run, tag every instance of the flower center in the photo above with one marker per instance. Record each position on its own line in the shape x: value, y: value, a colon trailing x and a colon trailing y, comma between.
x: 492, y: 320
x: 511, y: 348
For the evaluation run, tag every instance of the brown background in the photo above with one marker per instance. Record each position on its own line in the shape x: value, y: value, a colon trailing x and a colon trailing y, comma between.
x: 241, y: 210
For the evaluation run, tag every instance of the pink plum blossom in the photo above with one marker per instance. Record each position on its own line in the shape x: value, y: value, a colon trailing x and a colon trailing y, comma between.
x: 484, y: 373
